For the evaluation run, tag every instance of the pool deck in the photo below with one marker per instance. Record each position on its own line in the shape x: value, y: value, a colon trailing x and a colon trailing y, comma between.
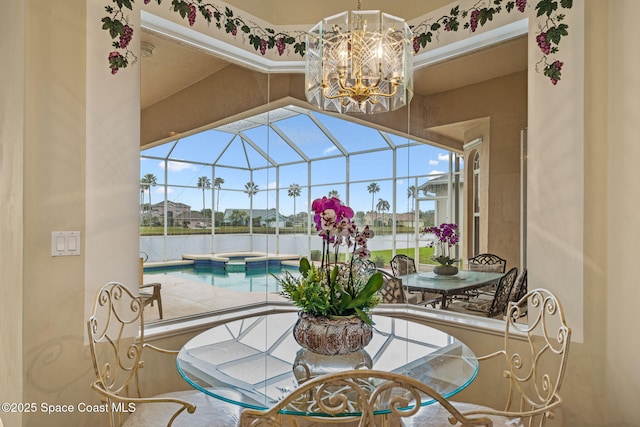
x: 181, y: 297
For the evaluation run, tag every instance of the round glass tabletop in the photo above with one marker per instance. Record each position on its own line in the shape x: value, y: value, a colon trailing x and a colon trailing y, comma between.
x: 254, y: 362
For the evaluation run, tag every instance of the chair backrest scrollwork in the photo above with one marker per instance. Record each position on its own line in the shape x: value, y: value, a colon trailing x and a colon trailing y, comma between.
x: 487, y: 262
x: 401, y: 265
x: 503, y: 292
x: 536, y: 369
x: 360, y: 393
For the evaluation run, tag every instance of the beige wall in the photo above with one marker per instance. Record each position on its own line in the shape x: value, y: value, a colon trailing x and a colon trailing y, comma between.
x: 504, y: 102
x: 74, y: 135
x: 620, y: 220
x: 12, y: 21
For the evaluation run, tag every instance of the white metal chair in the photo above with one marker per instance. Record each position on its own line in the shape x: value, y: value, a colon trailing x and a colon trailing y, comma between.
x: 117, y: 360
x: 534, y: 357
x: 360, y: 393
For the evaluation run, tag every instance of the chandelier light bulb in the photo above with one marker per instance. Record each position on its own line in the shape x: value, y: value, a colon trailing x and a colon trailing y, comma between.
x: 359, y: 62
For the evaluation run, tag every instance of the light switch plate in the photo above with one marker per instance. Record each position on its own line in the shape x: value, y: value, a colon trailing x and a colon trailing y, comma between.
x: 65, y: 243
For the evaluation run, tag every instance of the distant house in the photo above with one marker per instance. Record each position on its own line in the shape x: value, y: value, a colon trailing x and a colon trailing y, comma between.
x: 192, y: 219
x: 268, y: 217
x: 175, y: 210
x: 386, y: 218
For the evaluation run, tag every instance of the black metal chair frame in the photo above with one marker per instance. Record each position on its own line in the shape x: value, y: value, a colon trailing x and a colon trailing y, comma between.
x: 399, y: 259
x: 486, y: 259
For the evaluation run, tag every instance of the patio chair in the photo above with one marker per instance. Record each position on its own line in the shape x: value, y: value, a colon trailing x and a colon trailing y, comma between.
x: 392, y: 291
x: 402, y: 265
x: 117, y: 359
x: 534, y: 369
x: 491, y: 306
x: 487, y: 262
x: 361, y: 392
x: 520, y: 287
x: 363, y: 267
x: 150, y: 292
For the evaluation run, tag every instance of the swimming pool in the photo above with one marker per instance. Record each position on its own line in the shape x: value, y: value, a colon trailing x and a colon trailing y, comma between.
x: 255, y: 280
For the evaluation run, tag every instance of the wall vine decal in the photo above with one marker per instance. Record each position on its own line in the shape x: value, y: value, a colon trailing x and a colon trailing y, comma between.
x: 551, y: 28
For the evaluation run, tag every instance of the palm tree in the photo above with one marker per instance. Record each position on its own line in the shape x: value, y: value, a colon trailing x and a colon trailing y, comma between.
x: 250, y: 188
x: 294, y: 191
x: 382, y: 206
x: 217, y: 184
x: 373, y: 188
x: 204, y: 183
x: 148, y: 181
x: 334, y: 193
x: 412, y: 193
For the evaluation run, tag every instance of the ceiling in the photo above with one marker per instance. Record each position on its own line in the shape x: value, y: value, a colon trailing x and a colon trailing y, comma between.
x: 174, y: 66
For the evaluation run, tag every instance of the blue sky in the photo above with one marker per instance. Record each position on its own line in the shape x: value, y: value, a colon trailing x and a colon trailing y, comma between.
x: 227, y: 149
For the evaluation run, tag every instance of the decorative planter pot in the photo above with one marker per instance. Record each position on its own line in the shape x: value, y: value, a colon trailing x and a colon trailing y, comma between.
x: 329, y: 336
x: 445, y: 270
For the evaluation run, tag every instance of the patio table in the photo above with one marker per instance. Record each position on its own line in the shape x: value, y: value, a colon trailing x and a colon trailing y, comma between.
x: 448, y: 286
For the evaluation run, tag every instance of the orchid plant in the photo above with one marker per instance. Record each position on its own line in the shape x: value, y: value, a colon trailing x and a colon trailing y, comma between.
x: 446, y: 237
x: 332, y: 289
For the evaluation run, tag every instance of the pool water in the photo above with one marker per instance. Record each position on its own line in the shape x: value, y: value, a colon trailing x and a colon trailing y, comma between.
x: 256, y: 280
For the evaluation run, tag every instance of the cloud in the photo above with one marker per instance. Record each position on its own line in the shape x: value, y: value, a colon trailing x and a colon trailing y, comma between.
x: 433, y: 162
x: 160, y: 190
x: 443, y: 157
x: 436, y: 172
x: 177, y: 166
x: 272, y: 185
x: 329, y: 150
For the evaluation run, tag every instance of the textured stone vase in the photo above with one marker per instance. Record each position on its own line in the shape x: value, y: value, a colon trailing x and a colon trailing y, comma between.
x: 329, y: 336
x: 445, y: 270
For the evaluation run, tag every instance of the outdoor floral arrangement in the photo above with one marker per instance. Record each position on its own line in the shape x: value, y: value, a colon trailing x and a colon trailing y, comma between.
x: 334, y: 289
x: 446, y: 237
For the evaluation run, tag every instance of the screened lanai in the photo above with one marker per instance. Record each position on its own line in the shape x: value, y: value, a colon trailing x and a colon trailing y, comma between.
x: 248, y: 185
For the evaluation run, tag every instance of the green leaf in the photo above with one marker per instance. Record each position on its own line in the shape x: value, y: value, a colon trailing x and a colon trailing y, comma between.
x: 245, y: 29
x: 567, y: 4
x: 228, y: 12
x: 554, y: 34
x: 334, y: 274
x: 115, y: 27
x: 373, y: 285
x: 125, y: 3
x: 365, y: 318
x: 546, y: 7
x: 300, y: 48
x: 304, y: 267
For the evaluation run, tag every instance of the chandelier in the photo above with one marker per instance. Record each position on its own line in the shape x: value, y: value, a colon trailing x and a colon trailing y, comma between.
x: 359, y: 62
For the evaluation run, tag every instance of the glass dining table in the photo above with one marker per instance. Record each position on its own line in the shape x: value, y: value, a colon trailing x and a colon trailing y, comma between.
x: 447, y: 286
x: 254, y: 362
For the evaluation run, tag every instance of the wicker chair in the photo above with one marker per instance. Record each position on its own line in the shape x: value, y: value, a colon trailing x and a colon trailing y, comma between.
x: 535, y: 369
x: 117, y: 360
x: 491, y: 306
x: 361, y: 393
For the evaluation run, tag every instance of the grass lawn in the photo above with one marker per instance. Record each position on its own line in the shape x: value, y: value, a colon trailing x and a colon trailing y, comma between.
x: 425, y: 255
